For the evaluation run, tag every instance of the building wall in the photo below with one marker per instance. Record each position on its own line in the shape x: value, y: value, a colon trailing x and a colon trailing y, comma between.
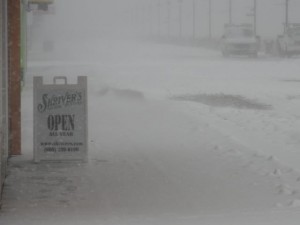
x: 4, y: 92
x: 14, y: 71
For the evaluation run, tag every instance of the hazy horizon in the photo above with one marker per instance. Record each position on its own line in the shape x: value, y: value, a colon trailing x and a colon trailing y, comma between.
x: 123, y: 18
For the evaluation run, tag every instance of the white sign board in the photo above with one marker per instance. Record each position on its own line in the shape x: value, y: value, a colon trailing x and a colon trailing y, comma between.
x: 60, y: 120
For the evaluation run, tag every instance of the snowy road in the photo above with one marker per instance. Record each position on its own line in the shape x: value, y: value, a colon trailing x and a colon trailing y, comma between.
x: 266, y: 122
x: 177, y: 135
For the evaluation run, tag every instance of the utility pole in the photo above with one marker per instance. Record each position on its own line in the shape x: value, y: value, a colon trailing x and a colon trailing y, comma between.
x: 194, y: 19
x: 230, y: 12
x: 145, y: 25
x: 180, y: 17
x: 286, y: 13
x: 169, y: 18
x: 159, y: 18
x: 209, y: 19
x: 254, y: 16
x: 149, y: 15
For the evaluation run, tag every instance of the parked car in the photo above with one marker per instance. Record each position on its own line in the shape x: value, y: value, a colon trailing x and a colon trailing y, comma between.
x: 289, y: 42
x: 239, y: 40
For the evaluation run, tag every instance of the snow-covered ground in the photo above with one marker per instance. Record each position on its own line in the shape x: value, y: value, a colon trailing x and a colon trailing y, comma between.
x: 177, y: 135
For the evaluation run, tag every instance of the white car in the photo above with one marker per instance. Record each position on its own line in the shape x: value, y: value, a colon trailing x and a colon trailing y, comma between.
x: 289, y: 43
x: 239, y: 40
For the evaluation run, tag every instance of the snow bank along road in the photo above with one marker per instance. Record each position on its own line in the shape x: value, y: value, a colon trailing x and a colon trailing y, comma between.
x: 177, y: 136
